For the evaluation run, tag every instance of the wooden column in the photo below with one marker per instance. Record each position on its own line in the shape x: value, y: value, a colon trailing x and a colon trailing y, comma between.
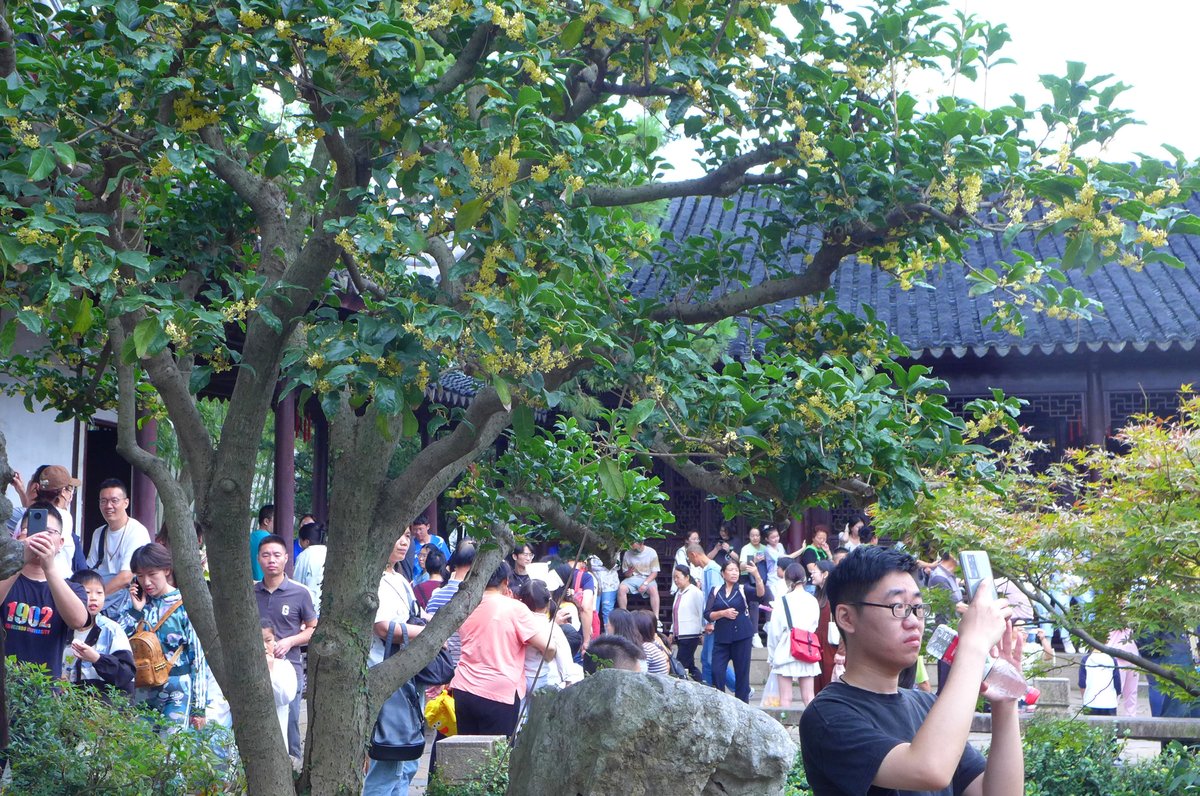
x: 285, y: 471
x: 1096, y: 429
x: 320, y: 484
x: 795, y: 535
x: 143, y: 498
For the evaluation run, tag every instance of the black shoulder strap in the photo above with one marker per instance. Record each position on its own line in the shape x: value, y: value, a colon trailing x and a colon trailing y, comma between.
x: 787, y: 611
x: 100, y: 547
x: 92, y: 637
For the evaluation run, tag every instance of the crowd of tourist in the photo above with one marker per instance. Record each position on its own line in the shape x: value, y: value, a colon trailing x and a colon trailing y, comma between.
x: 111, y: 617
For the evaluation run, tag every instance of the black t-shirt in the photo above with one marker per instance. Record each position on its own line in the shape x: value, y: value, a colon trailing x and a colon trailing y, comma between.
x: 847, y: 732
x: 36, y: 633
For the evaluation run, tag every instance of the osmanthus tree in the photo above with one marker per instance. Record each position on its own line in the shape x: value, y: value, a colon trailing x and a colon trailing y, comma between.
x: 351, y: 199
x: 1123, y: 527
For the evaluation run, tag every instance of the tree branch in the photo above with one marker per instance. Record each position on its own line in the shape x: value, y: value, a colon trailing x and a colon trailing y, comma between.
x: 385, y: 678
x: 364, y: 287
x: 464, y: 66
x: 1156, y: 669
x: 639, y: 90
x: 440, y: 251
x: 8, y: 51
x: 553, y: 514
x: 185, y: 548
x: 815, y: 279
x: 725, y: 180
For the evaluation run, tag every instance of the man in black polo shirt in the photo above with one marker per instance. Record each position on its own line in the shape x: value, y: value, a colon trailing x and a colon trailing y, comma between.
x: 288, y: 606
x: 866, y: 736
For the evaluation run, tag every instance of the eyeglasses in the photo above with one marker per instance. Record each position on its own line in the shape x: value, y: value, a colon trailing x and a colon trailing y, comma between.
x: 904, y: 610
x: 112, y: 501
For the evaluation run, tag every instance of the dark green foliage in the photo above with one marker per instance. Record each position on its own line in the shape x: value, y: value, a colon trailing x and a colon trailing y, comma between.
x: 68, y: 740
x: 1068, y: 758
x: 492, y: 779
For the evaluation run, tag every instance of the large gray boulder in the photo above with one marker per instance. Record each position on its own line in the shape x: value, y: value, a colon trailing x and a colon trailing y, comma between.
x: 624, y: 733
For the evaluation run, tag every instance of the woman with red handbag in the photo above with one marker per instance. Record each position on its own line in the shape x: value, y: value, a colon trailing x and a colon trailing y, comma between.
x: 793, y: 648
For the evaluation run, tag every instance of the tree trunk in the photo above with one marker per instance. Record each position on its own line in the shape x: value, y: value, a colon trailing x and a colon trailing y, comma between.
x: 360, y: 539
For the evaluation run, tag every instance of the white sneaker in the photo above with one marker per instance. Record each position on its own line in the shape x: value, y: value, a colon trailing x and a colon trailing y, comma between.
x: 755, y: 641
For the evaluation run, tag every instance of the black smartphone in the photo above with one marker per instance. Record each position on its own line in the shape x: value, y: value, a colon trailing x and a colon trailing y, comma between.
x: 37, y: 521
x: 137, y: 588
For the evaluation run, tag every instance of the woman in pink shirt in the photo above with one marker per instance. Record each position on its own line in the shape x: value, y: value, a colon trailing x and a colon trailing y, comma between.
x: 489, y: 682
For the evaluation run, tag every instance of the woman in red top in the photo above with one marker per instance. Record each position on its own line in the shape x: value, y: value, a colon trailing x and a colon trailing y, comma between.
x: 489, y: 682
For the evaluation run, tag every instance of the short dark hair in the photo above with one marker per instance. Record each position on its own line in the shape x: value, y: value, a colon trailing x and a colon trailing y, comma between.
x: 435, y: 560
x: 265, y: 624
x: 150, y: 557
x: 611, y: 652
x: 85, y: 576
x: 114, y: 483
x: 845, y: 550
x: 50, y: 509
x: 463, y: 556
x: 795, y: 573
x: 267, y: 512
x: 687, y: 572
x: 313, y: 533
x: 273, y: 538
x: 858, y: 573
x: 502, y: 573
x: 420, y: 519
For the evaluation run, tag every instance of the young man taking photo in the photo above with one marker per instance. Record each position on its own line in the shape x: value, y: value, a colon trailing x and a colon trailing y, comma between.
x: 866, y: 735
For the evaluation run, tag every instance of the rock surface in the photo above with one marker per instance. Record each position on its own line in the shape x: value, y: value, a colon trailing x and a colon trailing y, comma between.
x: 624, y: 733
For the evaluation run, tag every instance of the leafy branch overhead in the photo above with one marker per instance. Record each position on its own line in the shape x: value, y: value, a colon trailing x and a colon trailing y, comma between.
x: 356, y: 201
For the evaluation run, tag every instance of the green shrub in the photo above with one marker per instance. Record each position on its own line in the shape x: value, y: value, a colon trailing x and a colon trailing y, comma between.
x: 68, y: 740
x: 1069, y: 758
x: 492, y: 779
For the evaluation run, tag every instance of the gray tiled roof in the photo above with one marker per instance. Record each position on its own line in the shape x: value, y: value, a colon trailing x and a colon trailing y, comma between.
x: 1159, y: 306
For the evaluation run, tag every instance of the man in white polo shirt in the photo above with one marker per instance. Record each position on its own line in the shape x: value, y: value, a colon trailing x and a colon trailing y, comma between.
x: 113, y: 544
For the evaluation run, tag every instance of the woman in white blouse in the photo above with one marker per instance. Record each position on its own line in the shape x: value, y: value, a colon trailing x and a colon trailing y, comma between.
x: 804, y: 611
x: 687, y: 620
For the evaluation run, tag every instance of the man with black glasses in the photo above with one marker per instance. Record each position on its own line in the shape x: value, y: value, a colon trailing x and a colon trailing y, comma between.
x: 865, y: 734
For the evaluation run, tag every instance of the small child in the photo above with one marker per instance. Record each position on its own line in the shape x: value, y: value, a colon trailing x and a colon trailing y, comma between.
x: 283, y: 678
x: 99, y: 656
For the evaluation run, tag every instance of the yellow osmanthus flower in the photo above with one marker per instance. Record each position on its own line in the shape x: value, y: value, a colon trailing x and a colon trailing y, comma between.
x: 36, y: 237
x: 1154, y: 237
x: 315, y: 361
x: 575, y: 182
x: 162, y: 166
x: 22, y: 130
x: 192, y: 117
x: 252, y: 20
x: 540, y: 174
x: 354, y: 50
x: 513, y: 25
x: 535, y: 72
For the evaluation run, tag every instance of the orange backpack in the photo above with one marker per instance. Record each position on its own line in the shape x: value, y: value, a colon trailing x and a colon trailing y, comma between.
x: 152, y: 668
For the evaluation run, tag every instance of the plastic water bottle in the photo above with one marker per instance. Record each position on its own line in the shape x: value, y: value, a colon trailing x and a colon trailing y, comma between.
x: 1003, y: 680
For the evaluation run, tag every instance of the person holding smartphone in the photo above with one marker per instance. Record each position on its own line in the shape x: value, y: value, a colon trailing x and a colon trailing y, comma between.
x: 865, y: 733
x: 39, y: 608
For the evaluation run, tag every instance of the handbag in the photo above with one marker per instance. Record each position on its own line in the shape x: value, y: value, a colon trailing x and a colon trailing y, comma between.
x: 806, y: 646
x: 439, y: 712
x: 399, y: 732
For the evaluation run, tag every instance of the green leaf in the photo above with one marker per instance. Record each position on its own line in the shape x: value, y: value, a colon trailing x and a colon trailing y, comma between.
x: 572, y: 33
x: 512, y: 213
x: 503, y: 392
x: 522, y: 421
x: 528, y: 97
x: 1163, y: 257
x: 639, y: 412
x: 468, y: 215
x: 83, y: 316
x: 611, y: 480
x: 619, y: 16
x: 40, y: 164
x: 66, y: 155
x: 279, y: 161
x: 144, y: 334
x: 1186, y: 225
x: 411, y: 428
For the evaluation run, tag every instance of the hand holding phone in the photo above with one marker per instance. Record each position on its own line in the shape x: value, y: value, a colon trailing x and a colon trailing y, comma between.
x: 977, y: 572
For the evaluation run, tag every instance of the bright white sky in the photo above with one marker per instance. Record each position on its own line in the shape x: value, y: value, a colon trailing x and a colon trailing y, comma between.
x: 1150, y: 46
